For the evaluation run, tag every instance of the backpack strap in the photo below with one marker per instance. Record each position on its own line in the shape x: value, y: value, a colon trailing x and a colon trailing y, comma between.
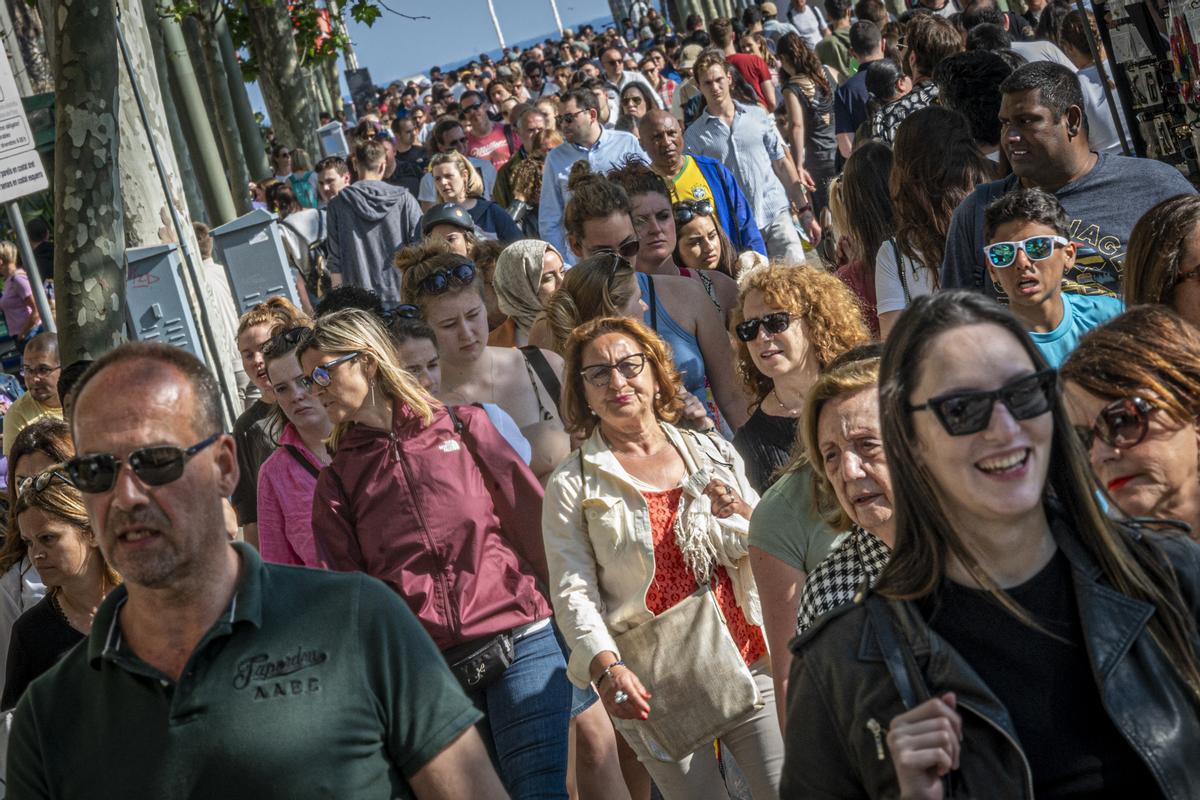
x: 653, y: 303
x: 900, y: 272
x: 536, y: 359
x: 295, y: 453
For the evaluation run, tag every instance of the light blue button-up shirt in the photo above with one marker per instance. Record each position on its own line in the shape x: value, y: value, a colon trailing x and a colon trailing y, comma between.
x: 609, y: 152
x: 748, y: 150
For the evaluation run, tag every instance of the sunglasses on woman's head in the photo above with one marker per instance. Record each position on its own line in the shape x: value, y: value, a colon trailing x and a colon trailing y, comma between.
x: 688, y: 210
x: 627, y: 249
x: 404, y: 311
x: 321, y: 375
x: 1120, y: 424
x: 777, y: 322
x: 963, y: 413
x: 600, y: 375
x: 154, y: 466
x: 41, y: 482
x: 1038, y: 248
x: 440, y: 282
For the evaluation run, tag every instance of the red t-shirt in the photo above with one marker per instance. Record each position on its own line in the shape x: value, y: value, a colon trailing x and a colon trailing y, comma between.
x: 492, y: 147
x: 754, y: 70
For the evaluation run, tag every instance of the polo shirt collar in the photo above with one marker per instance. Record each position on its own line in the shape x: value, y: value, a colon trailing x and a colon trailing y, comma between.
x: 246, y: 606
x: 595, y: 146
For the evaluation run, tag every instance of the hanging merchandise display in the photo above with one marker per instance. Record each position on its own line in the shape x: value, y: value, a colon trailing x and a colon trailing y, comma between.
x: 1155, y: 64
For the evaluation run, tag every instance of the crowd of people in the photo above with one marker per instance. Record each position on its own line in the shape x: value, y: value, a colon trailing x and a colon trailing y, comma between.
x: 801, y: 405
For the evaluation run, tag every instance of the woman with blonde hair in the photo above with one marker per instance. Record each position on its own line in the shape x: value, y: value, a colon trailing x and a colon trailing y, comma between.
x: 431, y: 500
x: 456, y: 181
x: 447, y: 291
x: 54, y: 527
x: 1162, y: 262
x: 21, y: 316
x: 635, y: 522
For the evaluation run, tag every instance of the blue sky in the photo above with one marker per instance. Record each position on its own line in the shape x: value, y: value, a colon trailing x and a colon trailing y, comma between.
x: 456, y: 29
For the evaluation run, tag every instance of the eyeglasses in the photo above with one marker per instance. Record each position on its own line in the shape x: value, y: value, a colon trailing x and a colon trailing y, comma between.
x: 567, y: 119
x: 285, y: 340
x: 962, y: 413
x: 1038, y: 248
x: 470, y: 108
x: 405, y: 311
x: 777, y: 322
x: 39, y: 372
x: 627, y: 249
x: 688, y: 210
x: 154, y: 466
x: 1120, y: 424
x: 320, y: 374
x: 41, y: 482
x: 600, y: 375
x: 439, y: 282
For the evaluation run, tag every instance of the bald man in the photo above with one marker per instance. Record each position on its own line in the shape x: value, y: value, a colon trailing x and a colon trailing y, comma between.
x: 699, y: 178
x: 40, y: 371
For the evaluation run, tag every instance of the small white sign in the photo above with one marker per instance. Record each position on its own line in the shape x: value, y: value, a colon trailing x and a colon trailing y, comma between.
x: 21, y: 170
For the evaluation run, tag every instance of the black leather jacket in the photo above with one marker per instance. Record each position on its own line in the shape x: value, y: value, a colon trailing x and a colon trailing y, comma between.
x: 842, y: 697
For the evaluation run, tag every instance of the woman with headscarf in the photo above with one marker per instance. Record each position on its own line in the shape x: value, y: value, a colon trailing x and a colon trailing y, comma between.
x: 527, y: 273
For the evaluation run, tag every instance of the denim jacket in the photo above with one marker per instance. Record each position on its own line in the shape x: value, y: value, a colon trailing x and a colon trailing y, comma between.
x: 599, y: 546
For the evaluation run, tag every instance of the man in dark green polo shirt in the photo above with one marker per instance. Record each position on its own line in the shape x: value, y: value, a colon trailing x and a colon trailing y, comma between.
x: 210, y: 674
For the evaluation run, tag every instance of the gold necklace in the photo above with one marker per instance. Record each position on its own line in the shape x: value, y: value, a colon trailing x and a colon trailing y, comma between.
x: 791, y: 412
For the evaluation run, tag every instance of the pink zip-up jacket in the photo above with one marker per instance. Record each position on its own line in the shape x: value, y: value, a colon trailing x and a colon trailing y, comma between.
x: 285, y: 493
x: 411, y: 507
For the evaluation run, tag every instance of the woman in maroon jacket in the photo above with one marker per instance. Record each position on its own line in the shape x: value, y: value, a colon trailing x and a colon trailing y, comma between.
x: 432, y: 501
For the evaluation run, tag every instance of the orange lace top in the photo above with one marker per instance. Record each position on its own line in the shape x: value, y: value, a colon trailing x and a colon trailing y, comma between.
x: 673, y: 581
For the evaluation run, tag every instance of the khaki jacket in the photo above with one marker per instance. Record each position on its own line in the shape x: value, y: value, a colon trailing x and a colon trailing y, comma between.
x: 599, y: 547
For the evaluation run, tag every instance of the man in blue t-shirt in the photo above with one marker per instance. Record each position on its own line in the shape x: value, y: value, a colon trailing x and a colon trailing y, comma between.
x: 851, y: 98
x: 1044, y: 136
x: 1027, y: 253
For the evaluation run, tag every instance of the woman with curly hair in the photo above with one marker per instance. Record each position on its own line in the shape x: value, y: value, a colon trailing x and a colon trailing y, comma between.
x: 790, y: 324
x: 808, y: 97
x: 526, y: 181
x: 927, y: 184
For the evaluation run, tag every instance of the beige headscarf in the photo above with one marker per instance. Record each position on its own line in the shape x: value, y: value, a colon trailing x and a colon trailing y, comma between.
x: 518, y: 275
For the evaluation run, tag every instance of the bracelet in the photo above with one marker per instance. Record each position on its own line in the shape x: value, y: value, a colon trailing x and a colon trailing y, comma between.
x: 607, y: 670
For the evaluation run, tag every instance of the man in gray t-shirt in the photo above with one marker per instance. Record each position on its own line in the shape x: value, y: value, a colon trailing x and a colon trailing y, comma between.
x: 1044, y: 136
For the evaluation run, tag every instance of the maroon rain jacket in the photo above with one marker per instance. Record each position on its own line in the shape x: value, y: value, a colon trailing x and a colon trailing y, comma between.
x: 456, y: 534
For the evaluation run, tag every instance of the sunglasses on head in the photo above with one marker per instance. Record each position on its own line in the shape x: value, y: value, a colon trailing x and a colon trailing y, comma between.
x: 963, y: 413
x: 404, y: 311
x: 1120, y: 424
x: 154, y: 466
x: 688, y: 210
x: 777, y: 322
x: 600, y: 375
x: 439, y: 282
x: 321, y: 375
x: 41, y: 482
x: 1038, y: 248
x: 627, y: 249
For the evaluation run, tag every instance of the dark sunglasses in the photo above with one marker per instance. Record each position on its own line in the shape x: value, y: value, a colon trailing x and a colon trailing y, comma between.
x: 439, y: 282
x: 154, y: 466
x: 41, y: 482
x: 470, y: 108
x: 963, y: 413
x: 1120, y: 424
x: 777, y: 322
x: 600, y: 375
x: 567, y: 119
x: 627, y: 249
x: 688, y: 210
x: 286, y: 340
x: 321, y: 375
x: 404, y: 311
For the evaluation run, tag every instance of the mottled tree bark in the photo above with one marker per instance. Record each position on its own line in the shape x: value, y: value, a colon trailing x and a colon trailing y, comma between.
x: 31, y: 41
x: 89, y: 272
x: 221, y: 109
x: 281, y: 77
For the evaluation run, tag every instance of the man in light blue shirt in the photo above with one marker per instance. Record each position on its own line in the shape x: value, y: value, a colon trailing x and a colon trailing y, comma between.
x: 745, y: 139
x: 586, y: 139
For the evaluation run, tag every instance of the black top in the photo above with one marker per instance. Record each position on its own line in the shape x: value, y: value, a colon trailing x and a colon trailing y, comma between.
x: 256, y: 438
x: 40, y: 637
x: 1045, y: 682
x: 765, y: 444
x: 820, y: 142
x: 410, y: 168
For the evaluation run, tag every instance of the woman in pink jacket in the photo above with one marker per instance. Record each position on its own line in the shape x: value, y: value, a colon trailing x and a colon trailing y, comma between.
x: 434, y: 502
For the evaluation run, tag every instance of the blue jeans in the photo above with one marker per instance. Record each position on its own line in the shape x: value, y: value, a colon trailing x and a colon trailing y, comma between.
x: 527, y: 714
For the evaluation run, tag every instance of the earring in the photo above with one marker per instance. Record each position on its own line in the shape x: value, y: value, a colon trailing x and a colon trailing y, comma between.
x: 372, y: 384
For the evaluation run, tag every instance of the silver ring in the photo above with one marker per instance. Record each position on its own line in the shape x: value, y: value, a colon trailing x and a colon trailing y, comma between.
x: 620, y: 697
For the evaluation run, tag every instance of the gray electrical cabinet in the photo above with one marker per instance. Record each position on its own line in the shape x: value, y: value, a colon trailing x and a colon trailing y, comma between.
x: 156, y: 304
x: 251, y: 248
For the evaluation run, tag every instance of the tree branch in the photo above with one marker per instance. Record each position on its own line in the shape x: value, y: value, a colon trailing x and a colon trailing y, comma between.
x: 385, y: 7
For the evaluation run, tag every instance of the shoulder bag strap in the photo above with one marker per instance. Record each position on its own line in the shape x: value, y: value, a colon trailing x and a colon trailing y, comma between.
x: 653, y: 303
x: 541, y: 366
x: 295, y: 453
x: 899, y: 659
x: 900, y: 271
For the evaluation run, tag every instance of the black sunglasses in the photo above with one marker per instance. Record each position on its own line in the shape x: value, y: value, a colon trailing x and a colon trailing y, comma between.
x: 963, y: 413
x: 688, y: 210
x: 154, y: 466
x: 404, y: 311
x: 439, y: 282
x: 567, y: 119
x: 1120, y: 424
x: 470, y: 108
x: 777, y: 322
x: 41, y: 482
x: 285, y: 340
x: 627, y: 249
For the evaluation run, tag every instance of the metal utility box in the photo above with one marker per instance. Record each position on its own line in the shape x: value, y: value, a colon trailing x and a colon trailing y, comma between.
x: 333, y: 140
x: 251, y: 249
x: 156, y: 303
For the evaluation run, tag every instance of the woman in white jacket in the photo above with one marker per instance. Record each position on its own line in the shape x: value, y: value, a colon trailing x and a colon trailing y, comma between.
x: 634, y: 522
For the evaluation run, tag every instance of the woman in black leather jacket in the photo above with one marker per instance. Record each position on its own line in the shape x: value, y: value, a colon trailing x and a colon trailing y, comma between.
x: 1020, y: 641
